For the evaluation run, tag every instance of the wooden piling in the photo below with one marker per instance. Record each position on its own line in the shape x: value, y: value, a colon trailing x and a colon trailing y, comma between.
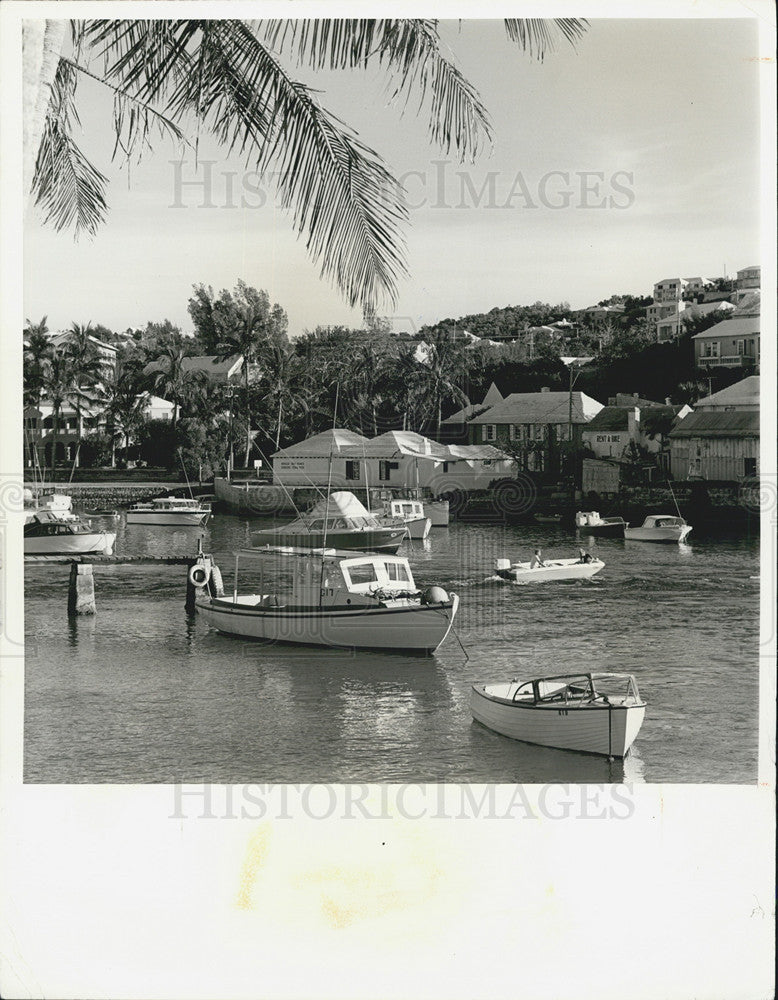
x: 81, y: 592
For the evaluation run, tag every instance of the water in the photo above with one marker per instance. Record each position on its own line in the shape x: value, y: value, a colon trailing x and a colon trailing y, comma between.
x: 142, y: 692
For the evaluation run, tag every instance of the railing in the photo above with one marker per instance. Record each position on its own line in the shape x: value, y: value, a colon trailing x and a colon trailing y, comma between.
x: 728, y: 361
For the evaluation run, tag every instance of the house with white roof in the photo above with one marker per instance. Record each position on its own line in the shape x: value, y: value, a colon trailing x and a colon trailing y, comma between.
x: 396, y: 460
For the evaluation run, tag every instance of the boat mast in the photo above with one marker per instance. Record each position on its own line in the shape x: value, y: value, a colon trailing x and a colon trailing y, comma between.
x: 329, y: 472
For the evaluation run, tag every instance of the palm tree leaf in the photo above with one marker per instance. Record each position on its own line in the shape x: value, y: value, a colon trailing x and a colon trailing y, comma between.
x: 67, y: 187
x: 410, y: 49
x: 537, y: 36
x: 337, y: 190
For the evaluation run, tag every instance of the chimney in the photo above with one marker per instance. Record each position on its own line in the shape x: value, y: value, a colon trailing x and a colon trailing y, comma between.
x: 545, y: 389
x: 611, y: 401
x: 633, y: 422
x: 635, y: 395
x: 667, y: 401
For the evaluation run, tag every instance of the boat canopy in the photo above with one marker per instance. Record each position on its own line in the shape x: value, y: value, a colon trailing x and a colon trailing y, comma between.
x: 342, y: 510
x: 566, y: 687
x: 663, y: 521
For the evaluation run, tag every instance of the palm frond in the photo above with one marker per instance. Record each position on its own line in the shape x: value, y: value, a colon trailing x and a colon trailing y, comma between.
x: 67, y: 187
x: 411, y: 50
x: 337, y: 190
x: 537, y: 36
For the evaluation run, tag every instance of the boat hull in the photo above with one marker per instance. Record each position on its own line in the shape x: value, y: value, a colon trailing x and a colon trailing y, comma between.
x: 672, y: 535
x: 561, y: 569
x: 171, y: 519
x: 419, y: 629
x: 589, y: 728
x: 81, y: 544
x: 438, y: 512
x: 369, y: 540
x: 419, y: 528
x: 611, y: 529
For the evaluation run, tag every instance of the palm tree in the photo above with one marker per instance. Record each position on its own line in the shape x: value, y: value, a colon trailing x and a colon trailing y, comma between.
x: 59, y: 385
x: 37, y: 351
x: 441, y: 373
x: 88, y: 372
x: 248, y: 326
x: 125, y: 404
x: 173, y: 380
x: 228, y: 76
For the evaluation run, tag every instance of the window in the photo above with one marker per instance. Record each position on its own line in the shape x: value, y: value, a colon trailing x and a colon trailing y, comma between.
x: 352, y: 470
x: 445, y: 467
x: 489, y: 432
x: 712, y: 349
x: 741, y: 348
x: 385, y: 470
x: 512, y: 432
x: 364, y: 573
x: 397, y: 572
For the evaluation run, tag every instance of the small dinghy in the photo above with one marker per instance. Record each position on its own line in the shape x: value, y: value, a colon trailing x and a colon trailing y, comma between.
x: 548, y: 569
x: 659, y: 528
x: 592, y: 713
x: 548, y: 518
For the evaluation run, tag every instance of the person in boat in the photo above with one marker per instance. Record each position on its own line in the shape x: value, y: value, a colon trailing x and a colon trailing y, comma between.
x: 537, y: 560
x: 583, y: 556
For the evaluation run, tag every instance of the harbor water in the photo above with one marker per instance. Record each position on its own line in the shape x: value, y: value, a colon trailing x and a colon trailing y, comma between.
x: 144, y: 692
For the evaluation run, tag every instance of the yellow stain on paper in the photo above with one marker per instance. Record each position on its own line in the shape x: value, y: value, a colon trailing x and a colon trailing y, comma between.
x: 256, y: 852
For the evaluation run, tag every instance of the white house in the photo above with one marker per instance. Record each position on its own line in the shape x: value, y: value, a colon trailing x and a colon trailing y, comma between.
x: 397, y: 460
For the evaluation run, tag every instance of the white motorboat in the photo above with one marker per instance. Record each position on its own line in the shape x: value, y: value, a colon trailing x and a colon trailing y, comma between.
x: 335, y: 599
x: 339, y: 521
x: 438, y: 512
x: 659, y: 528
x: 410, y: 513
x: 47, y: 533
x: 169, y: 511
x: 590, y: 523
x: 57, y: 503
x: 589, y: 712
x: 549, y: 569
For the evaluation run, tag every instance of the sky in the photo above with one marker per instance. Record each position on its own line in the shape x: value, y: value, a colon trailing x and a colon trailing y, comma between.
x: 631, y: 158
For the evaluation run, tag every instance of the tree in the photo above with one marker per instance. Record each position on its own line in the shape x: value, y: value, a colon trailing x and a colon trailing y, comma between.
x: 442, y: 373
x: 174, y: 380
x: 243, y: 322
x: 59, y: 383
x: 126, y: 405
x: 37, y: 351
x: 228, y: 76
x: 88, y: 369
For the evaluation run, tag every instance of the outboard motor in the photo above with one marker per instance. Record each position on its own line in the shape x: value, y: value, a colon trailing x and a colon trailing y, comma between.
x: 435, y: 595
x: 502, y: 567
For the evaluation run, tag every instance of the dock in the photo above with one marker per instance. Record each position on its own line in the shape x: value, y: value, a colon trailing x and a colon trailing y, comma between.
x: 115, y: 560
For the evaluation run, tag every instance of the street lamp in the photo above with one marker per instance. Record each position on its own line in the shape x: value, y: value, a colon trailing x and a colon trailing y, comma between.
x: 574, y: 366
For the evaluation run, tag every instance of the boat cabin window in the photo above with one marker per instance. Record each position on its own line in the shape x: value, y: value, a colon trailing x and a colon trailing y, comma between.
x: 362, y: 573
x: 317, y: 525
x: 397, y: 572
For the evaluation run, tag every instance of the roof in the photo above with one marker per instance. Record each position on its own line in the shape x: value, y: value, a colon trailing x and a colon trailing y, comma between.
x: 705, y: 308
x: 743, y: 326
x: 395, y: 443
x: 661, y: 419
x: 749, y: 305
x: 342, y: 503
x: 730, y: 423
x: 743, y: 393
x: 610, y: 418
x: 321, y: 445
x: 540, y: 408
x: 492, y: 396
x: 474, y: 452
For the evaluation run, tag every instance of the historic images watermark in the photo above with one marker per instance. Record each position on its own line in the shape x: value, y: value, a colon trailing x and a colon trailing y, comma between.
x: 445, y: 184
x: 406, y: 801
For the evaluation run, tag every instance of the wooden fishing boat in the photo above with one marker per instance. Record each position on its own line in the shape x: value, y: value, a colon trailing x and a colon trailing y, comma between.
x: 547, y: 518
x: 597, y: 713
x: 659, y: 528
x: 552, y: 569
x: 339, y: 521
x: 334, y: 599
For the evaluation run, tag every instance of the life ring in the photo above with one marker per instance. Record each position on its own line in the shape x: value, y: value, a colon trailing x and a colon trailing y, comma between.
x: 199, y: 575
